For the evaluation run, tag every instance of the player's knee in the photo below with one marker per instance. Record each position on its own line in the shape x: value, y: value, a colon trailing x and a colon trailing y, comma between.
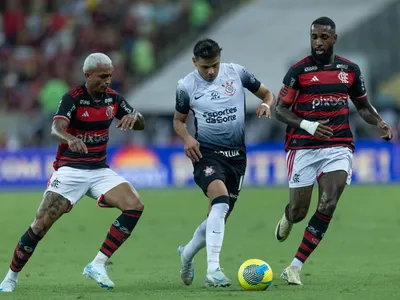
x: 221, y: 199
x: 40, y: 227
x: 131, y: 203
x: 328, y: 207
x: 297, y: 214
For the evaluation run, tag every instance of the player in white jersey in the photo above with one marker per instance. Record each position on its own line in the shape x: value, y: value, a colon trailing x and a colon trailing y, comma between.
x: 215, y: 93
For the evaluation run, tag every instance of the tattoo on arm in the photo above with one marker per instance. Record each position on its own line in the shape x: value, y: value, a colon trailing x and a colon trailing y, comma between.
x: 367, y: 112
x: 285, y: 115
x: 140, y: 123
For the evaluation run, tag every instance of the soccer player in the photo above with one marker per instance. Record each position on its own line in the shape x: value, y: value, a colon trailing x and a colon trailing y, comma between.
x: 82, y: 125
x: 215, y: 93
x: 313, y: 102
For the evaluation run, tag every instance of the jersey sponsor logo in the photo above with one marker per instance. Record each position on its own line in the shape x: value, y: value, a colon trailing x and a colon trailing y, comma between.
x: 309, y: 69
x: 229, y: 88
x: 108, y: 100
x: 84, y: 102
x: 93, y: 139
x: 228, y: 153
x: 126, y: 108
x: 221, y: 116
x: 330, y: 101
x: 343, y: 77
x: 249, y: 75
x: 342, y: 66
x: 214, y: 95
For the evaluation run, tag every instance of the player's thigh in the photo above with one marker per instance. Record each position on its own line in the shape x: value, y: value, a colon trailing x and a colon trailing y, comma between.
x: 70, y: 183
x: 51, y: 208
x: 210, y: 176
x: 113, y: 190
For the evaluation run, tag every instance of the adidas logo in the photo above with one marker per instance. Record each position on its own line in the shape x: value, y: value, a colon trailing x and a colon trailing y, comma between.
x: 314, y: 79
x: 85, y: 114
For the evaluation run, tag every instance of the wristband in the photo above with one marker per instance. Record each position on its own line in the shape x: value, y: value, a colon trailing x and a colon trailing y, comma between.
x: 266, y: 105
x: 308, y: 126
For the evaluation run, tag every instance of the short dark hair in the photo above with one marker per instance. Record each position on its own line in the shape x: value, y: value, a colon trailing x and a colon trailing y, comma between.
x: 325, y: 21
x: 206, y: 49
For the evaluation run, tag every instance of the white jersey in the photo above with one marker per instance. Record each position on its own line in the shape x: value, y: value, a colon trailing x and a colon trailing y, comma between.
x: 219, y: 107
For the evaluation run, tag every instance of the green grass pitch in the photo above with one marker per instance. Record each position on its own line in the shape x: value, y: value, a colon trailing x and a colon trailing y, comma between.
x: 358, y: 259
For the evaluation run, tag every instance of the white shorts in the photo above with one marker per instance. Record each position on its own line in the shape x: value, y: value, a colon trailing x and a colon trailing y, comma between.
x: 307, y: 165
x: 73, y: 184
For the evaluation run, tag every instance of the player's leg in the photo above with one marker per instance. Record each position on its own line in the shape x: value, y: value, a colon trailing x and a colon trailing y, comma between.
x: 215, y: 229
x: 65, y: 188
x: 51, y: 208
x: 113, y: 190
x: 302, y: 176
x: 333, y: 175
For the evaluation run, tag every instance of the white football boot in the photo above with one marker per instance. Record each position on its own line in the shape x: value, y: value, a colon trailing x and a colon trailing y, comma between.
x: 292, y: 275
x: 8, y: 285
x: 217, y: 279
x: 283, y: 229
x: 187, y: 267
x: 98, y: 273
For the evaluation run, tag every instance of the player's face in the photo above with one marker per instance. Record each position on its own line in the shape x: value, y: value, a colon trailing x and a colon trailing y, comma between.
x: 99, y: 79
x: 208, y: 68
x: 322, y: 40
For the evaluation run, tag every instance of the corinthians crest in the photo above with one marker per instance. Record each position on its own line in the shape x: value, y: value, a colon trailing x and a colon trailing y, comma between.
x: 229, y: 88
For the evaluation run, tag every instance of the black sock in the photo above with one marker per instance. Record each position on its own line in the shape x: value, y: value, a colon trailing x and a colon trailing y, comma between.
x: 120, y: 230
x: 313, y: 234
x: 24, y: 250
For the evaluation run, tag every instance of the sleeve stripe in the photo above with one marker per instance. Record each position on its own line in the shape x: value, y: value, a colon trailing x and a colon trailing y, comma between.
x: 61, y: 117
x: 363, y: 97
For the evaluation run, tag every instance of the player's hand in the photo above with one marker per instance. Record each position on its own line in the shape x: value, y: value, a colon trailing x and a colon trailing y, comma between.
x: 77, y: 145
x: 385, y: 127
x: 264, y: 110
x: 323, y: 131
x: 192, y: 149
x: 127, y: 121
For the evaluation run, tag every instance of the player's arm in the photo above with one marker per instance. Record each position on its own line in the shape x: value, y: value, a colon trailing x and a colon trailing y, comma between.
x: 250, y: 82
x: 358, y: 96
x: 182, y: 108
x: 60, y: 124
x: 129, y: 118
x: 286, y: 98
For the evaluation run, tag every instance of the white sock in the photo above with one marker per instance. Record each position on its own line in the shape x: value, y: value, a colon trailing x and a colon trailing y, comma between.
x: 197, y: 242
x: 215, y: 234
x: 296, y: 263
x: 100, y: 259
x: 12, y: 275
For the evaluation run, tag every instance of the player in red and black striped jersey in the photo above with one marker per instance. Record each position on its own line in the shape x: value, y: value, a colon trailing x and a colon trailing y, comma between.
x: 82, y: 125
x: 87, y: 123
x: 313, y: 102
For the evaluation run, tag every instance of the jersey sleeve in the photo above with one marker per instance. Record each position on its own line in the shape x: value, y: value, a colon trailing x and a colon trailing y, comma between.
x: 249, y: 81
x: 124, y: 108
x: 65, y: 108
x: 288, y: 92
x: 182, y: 104
x: 357, y: 91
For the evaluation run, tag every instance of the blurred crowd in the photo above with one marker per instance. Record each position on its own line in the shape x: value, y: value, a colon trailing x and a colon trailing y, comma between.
x: 43, y: 44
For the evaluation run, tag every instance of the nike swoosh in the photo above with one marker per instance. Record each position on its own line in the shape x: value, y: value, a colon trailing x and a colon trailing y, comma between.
x: 198, y: 97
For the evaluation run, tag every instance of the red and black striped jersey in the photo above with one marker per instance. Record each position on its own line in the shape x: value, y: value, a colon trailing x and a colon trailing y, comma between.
x: 320, y: 92
x: 90, y: 121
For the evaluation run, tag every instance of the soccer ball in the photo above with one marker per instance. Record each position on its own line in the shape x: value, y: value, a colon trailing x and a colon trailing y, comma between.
x: 255, y: 275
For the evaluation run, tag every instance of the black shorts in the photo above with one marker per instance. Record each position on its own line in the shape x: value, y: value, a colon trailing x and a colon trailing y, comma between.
x: 215, y: 165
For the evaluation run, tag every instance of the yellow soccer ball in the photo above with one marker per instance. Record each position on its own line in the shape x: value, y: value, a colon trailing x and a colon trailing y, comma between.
x: 255, y: 275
